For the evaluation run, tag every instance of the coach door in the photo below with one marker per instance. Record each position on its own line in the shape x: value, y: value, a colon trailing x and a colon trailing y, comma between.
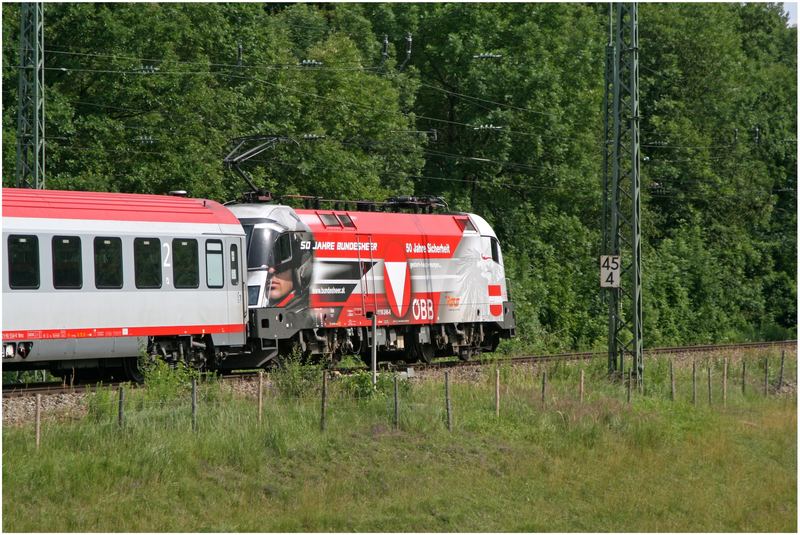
x: 237, y: 304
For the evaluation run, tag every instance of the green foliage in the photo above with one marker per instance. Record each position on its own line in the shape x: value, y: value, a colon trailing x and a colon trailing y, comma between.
x: 100, y: 405
x: 295, y: 378
x: 719, y: 206
x: 351, y: 361
x: 166, y: 382
x: 27, y: 377
x: 359, y: 385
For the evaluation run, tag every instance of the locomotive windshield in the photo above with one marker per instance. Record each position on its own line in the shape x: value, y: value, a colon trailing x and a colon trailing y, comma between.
x: 260, y: 247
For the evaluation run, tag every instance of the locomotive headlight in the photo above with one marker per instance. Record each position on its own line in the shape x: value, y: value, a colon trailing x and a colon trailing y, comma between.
x: 8, y: 351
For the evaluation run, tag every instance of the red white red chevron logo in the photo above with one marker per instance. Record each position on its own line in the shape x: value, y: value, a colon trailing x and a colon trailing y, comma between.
x: 397, y: 278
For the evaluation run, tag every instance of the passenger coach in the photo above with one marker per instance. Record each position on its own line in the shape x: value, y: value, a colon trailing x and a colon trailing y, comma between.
x: 90, y: 280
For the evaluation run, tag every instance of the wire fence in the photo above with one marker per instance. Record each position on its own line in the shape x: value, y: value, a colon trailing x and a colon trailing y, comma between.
x: 320, y: 399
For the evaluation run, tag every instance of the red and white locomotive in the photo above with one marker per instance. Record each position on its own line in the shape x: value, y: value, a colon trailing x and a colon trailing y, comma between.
x: 90, y: 280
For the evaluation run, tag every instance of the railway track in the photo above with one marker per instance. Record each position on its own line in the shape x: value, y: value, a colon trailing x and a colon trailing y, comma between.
x: 10, y: 391
x: 588, y: 355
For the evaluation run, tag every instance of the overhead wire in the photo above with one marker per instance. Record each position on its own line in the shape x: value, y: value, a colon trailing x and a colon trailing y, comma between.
x: 275, y: 161
x: 265, y: 66
x: 433, y: 119
x: 653, y: 145
x: 428, y: 177
x: 298, y: 68
x: 313, y: 95
x: 510, y: 106
x: 481, y: 159
x: 346, y: 103
x: 108, y: 106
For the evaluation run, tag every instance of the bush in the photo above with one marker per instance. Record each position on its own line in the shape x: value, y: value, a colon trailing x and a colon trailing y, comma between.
x: 165, y: 382
x: 359, y: 385
x: 101, y: 404
x: 295, y: 379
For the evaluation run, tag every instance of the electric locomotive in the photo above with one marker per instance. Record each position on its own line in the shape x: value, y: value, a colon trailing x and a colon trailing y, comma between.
x: 433, y: 283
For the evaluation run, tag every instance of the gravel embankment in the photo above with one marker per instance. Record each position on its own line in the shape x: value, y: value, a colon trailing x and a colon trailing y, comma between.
x: 19, y: 410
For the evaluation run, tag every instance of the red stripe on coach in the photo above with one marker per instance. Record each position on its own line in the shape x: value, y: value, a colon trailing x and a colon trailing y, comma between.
x: 494, y: 290
x: 110, y: 332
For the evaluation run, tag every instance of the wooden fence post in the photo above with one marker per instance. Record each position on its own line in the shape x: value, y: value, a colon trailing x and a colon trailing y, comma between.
x: 260, y: 395
x: 497, y: 393
x: 544, y: 387
x: 396, y: 406
x: 121, y: 416
x: 581, y: 387
x: 694, y: 382
x: 671, y: 381
x: 38, y: 419
x: 725, y: 382
x: 780, y: 377
x: 447, y: 401
x: 744, y: 375
x: 766, y: 375
x: 194, y: 404
x: 324, y: 404
x: 708, y: 367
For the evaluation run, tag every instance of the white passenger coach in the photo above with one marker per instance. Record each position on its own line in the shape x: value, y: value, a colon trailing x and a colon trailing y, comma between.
x: 91, y: 280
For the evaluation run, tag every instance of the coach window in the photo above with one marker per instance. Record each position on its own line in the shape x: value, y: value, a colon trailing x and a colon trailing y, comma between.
x: 214, y: 270
x: 107, y: 263
x: 185, y: 267
x: 147, y: 262
x: 67, y: 269
x: 23, y: 262
x: 234, y: 265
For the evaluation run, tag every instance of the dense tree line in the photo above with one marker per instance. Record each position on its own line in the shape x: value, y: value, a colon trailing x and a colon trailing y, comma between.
x: 145, y: 98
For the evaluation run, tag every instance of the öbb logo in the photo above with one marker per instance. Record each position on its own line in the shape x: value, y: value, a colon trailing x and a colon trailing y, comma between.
x: 397, y: 280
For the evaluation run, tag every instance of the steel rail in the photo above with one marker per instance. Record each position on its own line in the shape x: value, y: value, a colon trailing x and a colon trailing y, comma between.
x: 14, y: 391
x: 52, y: 388
x: 588, y: 355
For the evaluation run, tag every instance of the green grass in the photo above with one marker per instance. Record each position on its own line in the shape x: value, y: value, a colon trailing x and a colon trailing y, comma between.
x: 602, y: 465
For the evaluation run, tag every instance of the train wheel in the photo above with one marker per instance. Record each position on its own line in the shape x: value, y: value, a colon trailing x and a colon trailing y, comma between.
x: 133, y: 372
x: 424, y: 352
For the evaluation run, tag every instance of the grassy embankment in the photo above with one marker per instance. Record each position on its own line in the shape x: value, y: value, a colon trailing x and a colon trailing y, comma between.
x: 598, y: 466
